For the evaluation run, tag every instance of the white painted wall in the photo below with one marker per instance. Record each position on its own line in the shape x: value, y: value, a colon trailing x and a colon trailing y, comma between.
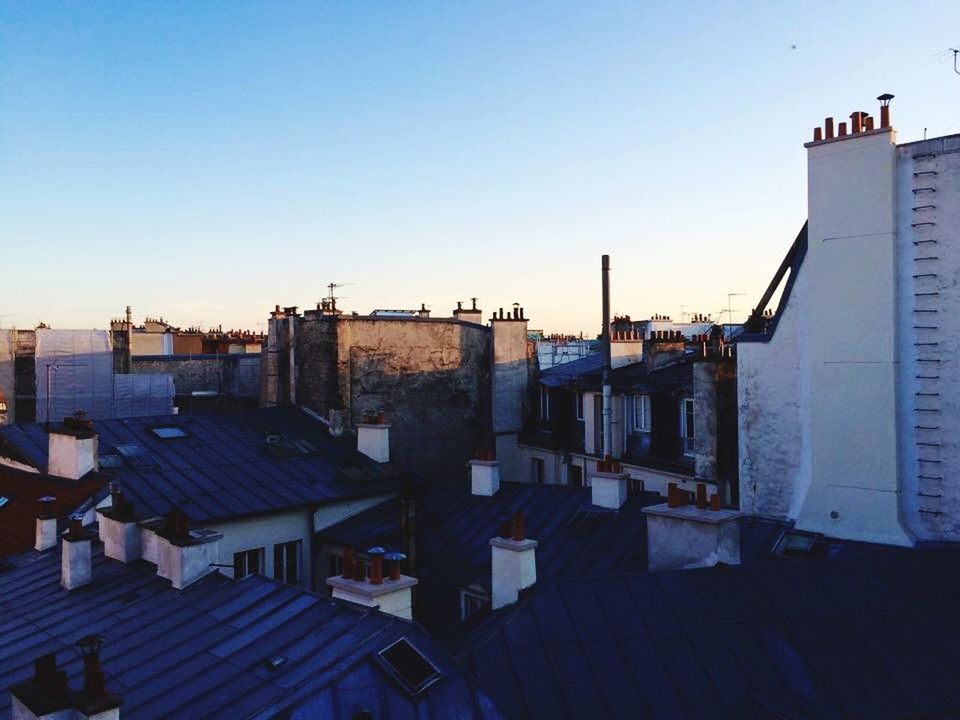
x: 265, y: 531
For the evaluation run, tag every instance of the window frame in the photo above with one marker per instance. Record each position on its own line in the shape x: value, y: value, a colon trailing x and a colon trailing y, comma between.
x: 280, y: 569
x: 578, y: 405
x: 642, y: 424
x: 259, y: 553
x: 481, y: 601
x: 544, y: 408
x: 538, y: 471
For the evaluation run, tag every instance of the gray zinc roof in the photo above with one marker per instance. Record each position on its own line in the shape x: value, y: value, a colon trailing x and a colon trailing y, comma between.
x: 206, y: 651
x: 225, y: 464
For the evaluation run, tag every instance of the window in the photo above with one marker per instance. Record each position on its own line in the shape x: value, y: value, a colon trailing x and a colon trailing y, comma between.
x: 286, y: 562
x: 794, y: 544
x: 686, y: 425
x: 471, y: 602
x: 3, y: 500
x: 575, y: 475
x: 136, y: 456
x: 578, y: 400
x: 334, y: 564
x: 247, y: 562
x: 641, y: 413
x: 536, y: 470
x: 545, y: 407
x: 408, y: 665
x: 169, y: 432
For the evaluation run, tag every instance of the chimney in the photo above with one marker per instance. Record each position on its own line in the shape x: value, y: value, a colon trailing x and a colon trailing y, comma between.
x: 391, y: 594
x: 46, y: 536
x: 373, y: 438
x: 664, y: 347
x: 75, y: 555
x: 885, y: 109
x: 119, y: 532
x: 423, y: 312
x: 625, y: 349
x: 45, y: 695
x: 471, y: 315
x: 184, y: 555
x: 72, y: 449
x: 688, y: 536
x: 609, y: 485
x: 485, y: 474
x: 513, y: 564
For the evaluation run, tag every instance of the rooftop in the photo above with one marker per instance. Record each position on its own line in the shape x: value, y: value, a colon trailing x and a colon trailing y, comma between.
x: 866, y: 637
x: 18, y: 508
x: 220, y: 648
x: 219, y: 465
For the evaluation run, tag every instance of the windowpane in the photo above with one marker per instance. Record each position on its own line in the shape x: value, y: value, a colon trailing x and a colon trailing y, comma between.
x: 286, y: 562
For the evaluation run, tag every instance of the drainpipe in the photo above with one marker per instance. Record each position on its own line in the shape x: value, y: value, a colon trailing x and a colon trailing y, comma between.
x: 605, y: 342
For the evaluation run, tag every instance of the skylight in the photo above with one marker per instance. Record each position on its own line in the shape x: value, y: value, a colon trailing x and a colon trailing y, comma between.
x: 169, y: 432
x: 3, y: 500
x: 110, y: 461
x: 794, y: 544
x: 587, y: 521
x: 408, y: 665
x: 136, y: 456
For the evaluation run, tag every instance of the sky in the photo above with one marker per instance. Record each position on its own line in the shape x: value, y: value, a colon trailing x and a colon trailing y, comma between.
x: 205, y: 161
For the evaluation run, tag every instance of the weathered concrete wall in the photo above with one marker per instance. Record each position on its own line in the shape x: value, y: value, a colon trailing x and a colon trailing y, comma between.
x: 774, y: 442
x: 431, y: 377
x: 160, y: 343
x: 928, y: 282
x: 232, y: 376
x: 511, y: 374
x: 715, y: 419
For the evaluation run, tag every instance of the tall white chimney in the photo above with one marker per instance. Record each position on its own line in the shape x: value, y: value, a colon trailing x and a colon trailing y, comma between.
x: 46, y: 535
x: 513, y: 562
x: 75, y: 563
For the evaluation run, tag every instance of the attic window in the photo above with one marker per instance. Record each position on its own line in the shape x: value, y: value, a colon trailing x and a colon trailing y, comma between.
x: 408, y: 665
x: 169, y: 432
x: 3, y: 500
x: 794, y: 544
x: 136, y: 456
x: 587, y: 521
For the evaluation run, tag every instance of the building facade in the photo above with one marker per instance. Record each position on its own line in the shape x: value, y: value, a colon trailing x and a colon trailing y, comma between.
x: 848, y: 395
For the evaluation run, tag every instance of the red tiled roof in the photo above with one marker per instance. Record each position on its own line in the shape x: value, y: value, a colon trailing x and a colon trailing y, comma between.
x: 18, y: 517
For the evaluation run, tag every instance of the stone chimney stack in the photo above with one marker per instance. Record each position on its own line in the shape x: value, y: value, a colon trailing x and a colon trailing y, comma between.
x: 185, y: 555
x: 46, y: 536
x: 391, y: 594
x: 485, y: 474
x: 373, y: 438
x: 472, y: 314
x: 75, y: 564
x: 72, y: 449
x: 609, y: 485
x: 119, y: 531
x: 513, y: 562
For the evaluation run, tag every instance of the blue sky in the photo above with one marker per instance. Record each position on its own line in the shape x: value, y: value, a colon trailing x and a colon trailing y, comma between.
x: 206, y: 160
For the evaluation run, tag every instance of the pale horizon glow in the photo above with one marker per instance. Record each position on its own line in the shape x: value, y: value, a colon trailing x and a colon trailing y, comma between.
x: 204, y: 162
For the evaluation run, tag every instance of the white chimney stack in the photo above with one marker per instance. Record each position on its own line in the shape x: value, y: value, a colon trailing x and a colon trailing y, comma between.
x: 392, y: 594
x: 373, y: 439
x: 690, y: 536
x: 72, y: 449
x: 75, y: 565
x: 46, y: 536
x: 484, y: 476
x: 513, y: 563
x: 119, y: 532
x: 185, y: 555
x: 609, y: 485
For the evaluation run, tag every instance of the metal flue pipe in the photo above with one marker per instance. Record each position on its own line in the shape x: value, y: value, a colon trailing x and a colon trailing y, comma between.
x: 605, y: 342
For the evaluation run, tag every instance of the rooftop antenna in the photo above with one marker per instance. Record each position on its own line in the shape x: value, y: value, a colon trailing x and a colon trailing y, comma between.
x: 955, y: 52
x: 331, y: 298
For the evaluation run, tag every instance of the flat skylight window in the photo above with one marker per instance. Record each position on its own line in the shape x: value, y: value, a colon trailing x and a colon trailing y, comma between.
x: 110, y: 461
x: 794, y: 544
x: 136, y: 456
x: 408, y: 665
x: 169, y: 432
x: 3, y: 500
